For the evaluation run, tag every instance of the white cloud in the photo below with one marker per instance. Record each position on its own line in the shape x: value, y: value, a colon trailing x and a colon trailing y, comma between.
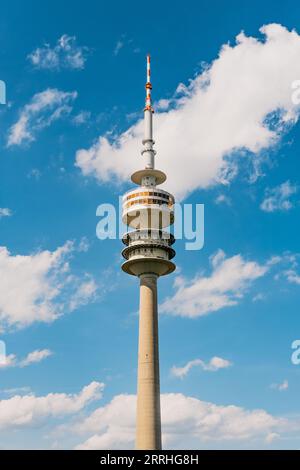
x: 289, y: 267
x: 222, y: 110
x: 278, y: 198
x: 40, y: 287
x: 292, y: 276
x: 290, y: 262
x: 43, y: 109
x: 217, y: 363
x: 27, y: 410
x: 84, y: 245
x: 65, y: 54
x: 85, y: 293
x: 214, y: 364
x: 186, y: 422
x: 5, y: 212
x: 114, y: 424
x: 35, y: 356
x: 282, y: 387
x: 163, y: 104
x: 226, y: 286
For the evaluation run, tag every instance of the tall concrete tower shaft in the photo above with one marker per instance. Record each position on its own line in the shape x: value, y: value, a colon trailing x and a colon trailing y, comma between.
x: 148, y: 253
x: 148, y: 426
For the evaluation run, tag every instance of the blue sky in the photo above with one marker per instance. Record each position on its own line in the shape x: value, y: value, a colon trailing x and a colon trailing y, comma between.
x: 228, y: 137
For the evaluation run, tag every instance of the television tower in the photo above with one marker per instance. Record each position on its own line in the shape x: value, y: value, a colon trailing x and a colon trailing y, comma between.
x: 148, y: 253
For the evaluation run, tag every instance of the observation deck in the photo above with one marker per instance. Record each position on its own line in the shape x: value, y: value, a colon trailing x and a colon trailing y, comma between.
x: 148, y: 207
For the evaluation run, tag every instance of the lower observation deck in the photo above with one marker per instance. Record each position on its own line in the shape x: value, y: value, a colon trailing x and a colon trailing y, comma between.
x: 142, y: 236
x: 148, y: 251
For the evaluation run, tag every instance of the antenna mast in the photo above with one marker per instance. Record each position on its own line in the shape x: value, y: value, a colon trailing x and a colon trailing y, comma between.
x: 148, y: 142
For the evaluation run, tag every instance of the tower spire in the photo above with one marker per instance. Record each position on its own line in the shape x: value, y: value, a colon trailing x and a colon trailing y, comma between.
x: 148, y: 105
x: 148, y: 142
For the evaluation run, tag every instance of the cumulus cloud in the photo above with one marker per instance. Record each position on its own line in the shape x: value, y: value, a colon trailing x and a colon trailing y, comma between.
x: 65, y: 54
x: 114, y: 424
x: 187, y: 422
x: 226, y: 286
x: 278, y: 198
x: 40, y: 286
x: 43, y: 109
x: 242, y: 101
x: 33, y: 357
x: 214, y: 364
x: 27, y: 410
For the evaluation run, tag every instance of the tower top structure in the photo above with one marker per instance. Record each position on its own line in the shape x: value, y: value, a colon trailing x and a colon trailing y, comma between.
x: 149, y: 176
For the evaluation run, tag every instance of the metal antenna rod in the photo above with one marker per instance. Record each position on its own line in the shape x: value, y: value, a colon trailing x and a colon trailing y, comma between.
x: 148, y: 141
x: 148, y: 86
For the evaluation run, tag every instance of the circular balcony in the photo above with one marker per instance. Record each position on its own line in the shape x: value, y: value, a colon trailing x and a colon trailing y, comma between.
x: 141, y: 175
x: 152, y: 250
x: 148, y: 235
x: 148, y: 251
